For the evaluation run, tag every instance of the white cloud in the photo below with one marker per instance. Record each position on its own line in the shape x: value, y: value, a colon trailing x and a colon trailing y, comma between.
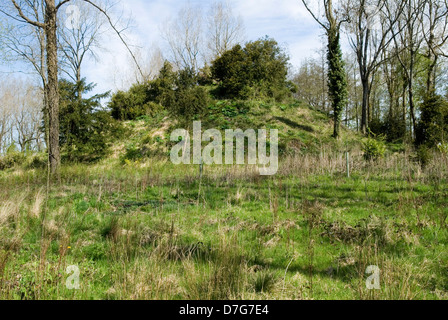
x: 285, y: 20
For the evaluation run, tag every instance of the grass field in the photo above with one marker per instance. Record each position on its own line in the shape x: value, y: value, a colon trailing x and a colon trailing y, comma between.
x: 158, y: 231
x: 143, y: 228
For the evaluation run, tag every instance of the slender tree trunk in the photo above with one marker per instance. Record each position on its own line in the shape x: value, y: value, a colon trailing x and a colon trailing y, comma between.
x: 412, y: 108
x: 430, y: 82
x: 53, y: 88
x: 78, y: 81
x: 46, y: 119
x: 365, y: 106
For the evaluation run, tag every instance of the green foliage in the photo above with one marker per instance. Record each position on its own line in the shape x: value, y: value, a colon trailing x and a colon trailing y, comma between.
x: 12, y: 158
x: 37, y: 161
x: 374, y: 148
x: 443, y: 148
x: 337, y: 82
x: 433, y: 126
x: 177, y: 92
x: 95, y: 251
x: 161, y: 90
x: 133, y: 154
x: 85, y: 128
x: 191, y: 102
x: 424, y: 155
x: 394, y: 128
x: 130, y: 105
x: 232, y: 109
x: 258, y: 69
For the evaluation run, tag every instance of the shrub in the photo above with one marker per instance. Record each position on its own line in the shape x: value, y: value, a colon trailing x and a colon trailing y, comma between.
x: 131, y: 104
x: 178, y: 92
x: 85, y: 129
x: 161, y: 90
x: 37, y: 161
x: 443, y: 148
x: 424, y: 155
x: 12, y: 159
x: 374, y: 148
x: 191, y: 102
x: 133, y: 153
x: 393, y: 127
x: 433, y: 124
x: 258, y: 69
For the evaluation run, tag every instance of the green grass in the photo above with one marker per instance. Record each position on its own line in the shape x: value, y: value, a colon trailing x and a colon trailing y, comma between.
x: 143, y: 228
x: 155, y: 231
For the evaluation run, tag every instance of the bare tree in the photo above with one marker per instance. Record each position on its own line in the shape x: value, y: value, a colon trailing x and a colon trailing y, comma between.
x: 310, y: 73
x: 151, y: 61
x: 20, y: 114
x: 26, y: 42
x: 5, y: 114
x: 43, y: 15
x: 371, y: 30
x: 409, y: 40
x: 28, y: 116
x: 224, y: 29
x: 435, y: 31
x: 26, y: 12
x: 80, y: 38
x: 184, y: 37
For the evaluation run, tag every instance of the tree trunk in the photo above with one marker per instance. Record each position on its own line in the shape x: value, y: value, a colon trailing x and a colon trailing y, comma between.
x: 365, y: 106
x: 53, y: 87
x: 78, y: 82
x: 412, y: 108
x: 430, y: 82
x: 46, y: 118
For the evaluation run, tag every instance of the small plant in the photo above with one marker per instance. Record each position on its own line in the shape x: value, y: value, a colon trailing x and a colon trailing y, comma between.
x: 424, y: 155
x: 264, y: 281
x: 133, y: 154
x: 12, y: 159
x: 443, y: 148
x: 95, y: 251
x: 374, y: 147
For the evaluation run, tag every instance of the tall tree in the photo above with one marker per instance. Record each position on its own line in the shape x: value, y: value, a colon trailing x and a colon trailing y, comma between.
x: 28, y: 117
x: 410, y: 41
x: 79, y: 37
x: 26, y: 43
x: 184, y: 37
x: 310, y: 73
x: 6, y: 109
x: 337, y: 82
x: 25, y: 12
x: 371, y: 30
x: 435, y: 31
x: 225, y: 30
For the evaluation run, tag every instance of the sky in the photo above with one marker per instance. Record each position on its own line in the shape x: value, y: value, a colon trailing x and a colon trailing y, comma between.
x: 287, y: 21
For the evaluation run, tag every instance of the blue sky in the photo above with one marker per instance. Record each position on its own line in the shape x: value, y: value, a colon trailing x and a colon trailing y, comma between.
x: 287, y: 21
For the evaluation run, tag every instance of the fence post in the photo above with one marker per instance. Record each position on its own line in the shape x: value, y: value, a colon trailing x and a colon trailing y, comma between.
x: 347, y: 156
